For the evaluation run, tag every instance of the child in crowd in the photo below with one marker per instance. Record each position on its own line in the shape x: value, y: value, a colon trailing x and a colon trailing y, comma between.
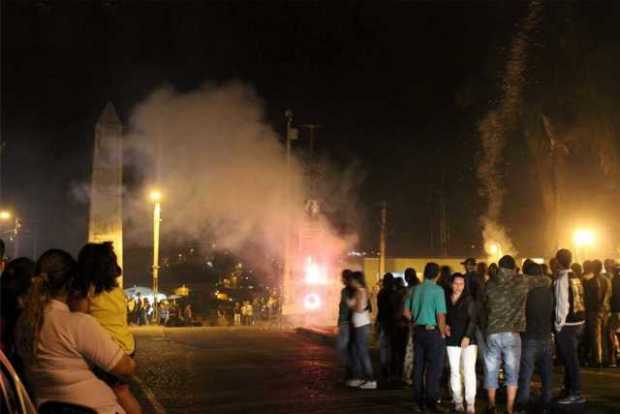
x: 98, y: 271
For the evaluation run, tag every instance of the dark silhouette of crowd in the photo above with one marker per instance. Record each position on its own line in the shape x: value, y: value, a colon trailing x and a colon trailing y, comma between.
x: 64, y: 330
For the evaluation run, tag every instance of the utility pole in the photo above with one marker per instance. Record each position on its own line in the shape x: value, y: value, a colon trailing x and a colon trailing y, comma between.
x: 314, y: 172
x: 443, y: 220
x: 291, y: 135
x: 382, y: 240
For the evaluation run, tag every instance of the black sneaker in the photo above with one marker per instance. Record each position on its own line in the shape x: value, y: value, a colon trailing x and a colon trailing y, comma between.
x: 572, y: 399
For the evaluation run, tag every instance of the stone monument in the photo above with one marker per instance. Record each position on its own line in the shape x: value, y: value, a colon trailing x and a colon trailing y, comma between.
x: 106, y: 187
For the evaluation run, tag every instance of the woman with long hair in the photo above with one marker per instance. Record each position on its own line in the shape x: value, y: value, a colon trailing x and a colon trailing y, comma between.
x: 461, y: 344
x: 360, y: 319
x: 14, y: 285
x: 57, y: 345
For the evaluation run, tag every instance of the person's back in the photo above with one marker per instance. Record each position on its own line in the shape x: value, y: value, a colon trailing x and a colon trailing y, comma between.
x: 597, y: 292
x: 60, y: 370
x: 385, y: 309
x: 539, y: 313
x: 615, y: 294
x: 109, y: 309
x: 505, y: 297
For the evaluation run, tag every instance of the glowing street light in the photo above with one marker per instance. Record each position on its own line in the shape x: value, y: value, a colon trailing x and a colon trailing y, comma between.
x: 156, y: 196
x: 583, y: 237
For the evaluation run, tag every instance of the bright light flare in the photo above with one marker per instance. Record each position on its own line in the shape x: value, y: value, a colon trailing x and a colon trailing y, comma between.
x: 155, y: 195
x: 315, y: 273
x: 584, y: 237
x: 5, y: 215
x: 493, y: 249
x: 312, y: 301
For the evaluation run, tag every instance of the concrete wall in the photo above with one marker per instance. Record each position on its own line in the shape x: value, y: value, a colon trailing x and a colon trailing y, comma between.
x: 399, y: 264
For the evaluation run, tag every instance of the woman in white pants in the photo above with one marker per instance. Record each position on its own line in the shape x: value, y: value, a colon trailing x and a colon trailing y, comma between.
x: 461, y: 344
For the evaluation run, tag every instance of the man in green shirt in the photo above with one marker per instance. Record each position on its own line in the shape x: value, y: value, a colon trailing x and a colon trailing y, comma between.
x: 426, y: 308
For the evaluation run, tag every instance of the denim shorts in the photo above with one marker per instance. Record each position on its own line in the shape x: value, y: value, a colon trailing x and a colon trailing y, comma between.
x: 506, y: 347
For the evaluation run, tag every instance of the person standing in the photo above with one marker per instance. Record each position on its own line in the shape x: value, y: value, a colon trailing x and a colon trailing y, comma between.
x: 360, y: 319
x: 386, y: 325
x: 472, y: 277
x: 427, y: 311
x: 597, y: 294
x: 614, y: 319
x: 536, y: 340
x: 138, y: 309
x: 344, y: 340
x: 412, y: 280
x: 568, y: 323
x: 504, y: 297
x: 461, y: 344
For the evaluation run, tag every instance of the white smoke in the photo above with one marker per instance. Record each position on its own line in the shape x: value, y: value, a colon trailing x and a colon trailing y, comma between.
x: 494, y: 128
x: 222, y: 171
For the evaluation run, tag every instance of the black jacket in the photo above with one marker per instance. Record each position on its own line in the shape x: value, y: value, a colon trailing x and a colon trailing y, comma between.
x: 462, y: 320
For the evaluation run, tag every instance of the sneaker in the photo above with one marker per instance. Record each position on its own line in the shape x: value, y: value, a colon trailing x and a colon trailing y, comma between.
x: 368, y: 385
x: 572, y: 399
x: 471, y: 408
x: 354, y: 383
x: 458, y: 408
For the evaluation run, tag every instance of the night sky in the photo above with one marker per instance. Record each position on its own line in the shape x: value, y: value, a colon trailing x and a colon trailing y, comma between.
x: 399, y: 88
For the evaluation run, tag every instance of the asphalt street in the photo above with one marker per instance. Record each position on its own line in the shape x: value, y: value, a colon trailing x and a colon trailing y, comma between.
x: 243, y: 370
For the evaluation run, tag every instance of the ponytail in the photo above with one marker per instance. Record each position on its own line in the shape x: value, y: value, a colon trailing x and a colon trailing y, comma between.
x: 31, y: 319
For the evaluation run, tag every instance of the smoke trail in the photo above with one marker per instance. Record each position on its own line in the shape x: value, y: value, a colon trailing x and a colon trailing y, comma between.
x: 222, y: 170
x: 495, y: 126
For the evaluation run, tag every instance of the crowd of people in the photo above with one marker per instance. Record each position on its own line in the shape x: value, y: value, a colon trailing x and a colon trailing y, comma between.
x: 64, y: 328
x: 248, y: 312
x: 502, y: 321
x: 140, y: 311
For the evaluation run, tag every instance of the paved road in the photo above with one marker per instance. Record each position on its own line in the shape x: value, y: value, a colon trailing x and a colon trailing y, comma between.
x: 226, y: 370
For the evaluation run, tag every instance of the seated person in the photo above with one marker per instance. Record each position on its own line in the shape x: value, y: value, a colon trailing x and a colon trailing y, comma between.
x: 57, y: 345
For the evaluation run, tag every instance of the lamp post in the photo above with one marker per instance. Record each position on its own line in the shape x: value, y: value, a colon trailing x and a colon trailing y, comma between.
x: 156, y: 199
x: 583, y: 239
x: 16, y: 225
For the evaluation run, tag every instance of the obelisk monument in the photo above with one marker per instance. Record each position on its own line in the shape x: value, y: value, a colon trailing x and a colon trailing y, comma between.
x: 106, y: 187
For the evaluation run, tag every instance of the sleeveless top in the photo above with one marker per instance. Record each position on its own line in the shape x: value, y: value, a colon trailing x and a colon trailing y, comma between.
x: 362, y: 318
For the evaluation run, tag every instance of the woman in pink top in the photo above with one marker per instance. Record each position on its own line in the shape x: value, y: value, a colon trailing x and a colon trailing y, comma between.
x: 57, y: 345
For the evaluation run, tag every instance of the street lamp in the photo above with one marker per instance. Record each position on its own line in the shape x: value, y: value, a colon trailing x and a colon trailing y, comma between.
x: 16, y: 224
x: 155, y: 197
x: 583, y: 239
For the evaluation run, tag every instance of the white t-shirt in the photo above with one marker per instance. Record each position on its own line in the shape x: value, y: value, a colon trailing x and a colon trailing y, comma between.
x: 68, y: 342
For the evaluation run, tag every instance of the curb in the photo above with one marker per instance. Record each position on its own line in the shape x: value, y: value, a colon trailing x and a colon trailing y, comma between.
x: 318, y: 334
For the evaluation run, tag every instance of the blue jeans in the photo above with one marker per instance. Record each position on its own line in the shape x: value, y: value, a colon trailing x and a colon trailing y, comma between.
x: 535, y: 352
x: 503, y: 346
x: 363, y: 364
x: 346, y: 350
x: 385, y: 352
x: 429, y: 355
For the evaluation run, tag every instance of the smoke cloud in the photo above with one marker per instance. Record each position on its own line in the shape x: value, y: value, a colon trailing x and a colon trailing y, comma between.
x: 222, y: 171
x: 495, y: 126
